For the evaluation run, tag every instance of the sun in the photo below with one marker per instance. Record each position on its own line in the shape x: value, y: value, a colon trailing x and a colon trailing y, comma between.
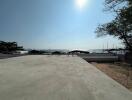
x: 81, y: 3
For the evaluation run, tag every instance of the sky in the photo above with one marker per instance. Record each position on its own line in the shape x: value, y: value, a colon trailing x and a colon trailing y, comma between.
x: 55, y: 24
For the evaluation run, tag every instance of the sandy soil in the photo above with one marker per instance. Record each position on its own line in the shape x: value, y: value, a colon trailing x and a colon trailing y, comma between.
x: 120, y: 72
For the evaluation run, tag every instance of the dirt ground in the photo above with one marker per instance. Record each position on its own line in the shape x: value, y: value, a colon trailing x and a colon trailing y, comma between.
x: 121, y: 72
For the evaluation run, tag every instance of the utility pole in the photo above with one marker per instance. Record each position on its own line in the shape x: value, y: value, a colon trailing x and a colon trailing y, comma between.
x: 107, y: 45
x: 103, y: 48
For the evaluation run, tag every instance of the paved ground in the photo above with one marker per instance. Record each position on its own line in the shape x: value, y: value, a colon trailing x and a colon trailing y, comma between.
x: 5, y: 56
x: 56, y: 78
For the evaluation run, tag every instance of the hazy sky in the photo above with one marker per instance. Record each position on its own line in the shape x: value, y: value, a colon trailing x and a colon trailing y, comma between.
x: 54, y: 24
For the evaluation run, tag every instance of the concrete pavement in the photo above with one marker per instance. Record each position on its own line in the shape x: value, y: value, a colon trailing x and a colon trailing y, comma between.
x: 56, y: 78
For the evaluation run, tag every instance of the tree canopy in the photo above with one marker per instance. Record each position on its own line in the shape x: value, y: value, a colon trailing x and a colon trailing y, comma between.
x: 8, y: 47
x: 121, y: 26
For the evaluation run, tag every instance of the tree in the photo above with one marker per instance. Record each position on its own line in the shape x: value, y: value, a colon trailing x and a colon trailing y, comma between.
x: 121, y: 26
x: 6, y: 47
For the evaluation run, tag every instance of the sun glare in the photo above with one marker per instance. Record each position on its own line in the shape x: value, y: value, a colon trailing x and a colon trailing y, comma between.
x: 81, y: 3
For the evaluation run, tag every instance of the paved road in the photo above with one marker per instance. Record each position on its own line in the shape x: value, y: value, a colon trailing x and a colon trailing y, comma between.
x: 56, y: 78
x: 5, y: 56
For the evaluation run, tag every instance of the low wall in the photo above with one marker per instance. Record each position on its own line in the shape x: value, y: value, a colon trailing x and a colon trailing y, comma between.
x: 128, y: 58
x: 100, y: 57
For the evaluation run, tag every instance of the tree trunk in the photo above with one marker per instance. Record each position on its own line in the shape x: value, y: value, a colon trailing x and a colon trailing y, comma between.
x: 127, y: 43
